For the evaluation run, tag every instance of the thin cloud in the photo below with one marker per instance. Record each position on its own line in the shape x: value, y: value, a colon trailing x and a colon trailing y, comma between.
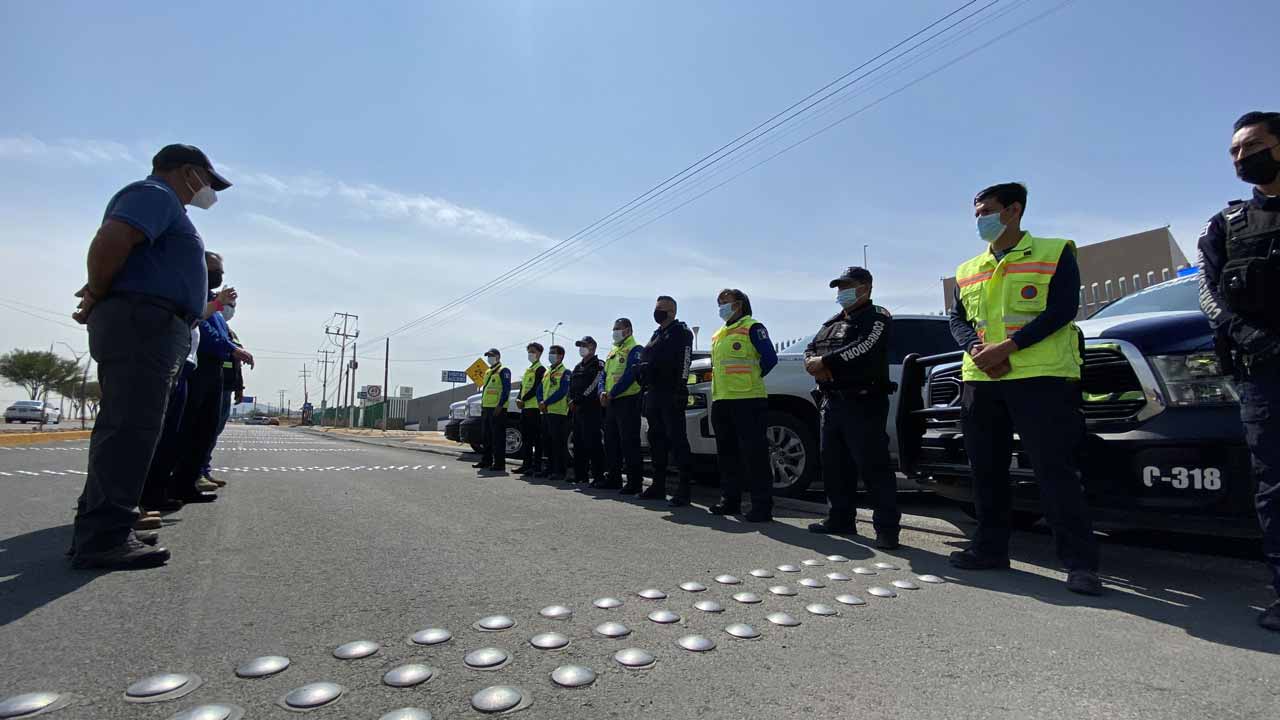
x: 437, y: 212
x: 84, y: 152
x: 294, y: 231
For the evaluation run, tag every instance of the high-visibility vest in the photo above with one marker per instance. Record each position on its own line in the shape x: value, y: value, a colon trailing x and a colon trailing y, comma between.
x: 616, y: 364
x: 1002, y: 297
x: 735, y: 363
x: 551, y: 383
x: 528, y: 383
x: 492, y: 387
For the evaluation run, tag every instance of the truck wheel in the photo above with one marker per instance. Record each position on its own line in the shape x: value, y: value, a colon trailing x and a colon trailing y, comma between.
x: 1018, y: 519
x: 515, y: 439
x: 793, y: 453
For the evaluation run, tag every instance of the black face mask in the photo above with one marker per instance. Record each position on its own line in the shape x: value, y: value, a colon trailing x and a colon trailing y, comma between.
x: 1258, y: 168
x: 660, y: 316
x: 215, y: 279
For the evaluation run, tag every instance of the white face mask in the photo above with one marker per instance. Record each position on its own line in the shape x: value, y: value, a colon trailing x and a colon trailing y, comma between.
x: 204, y: 198
x: 228, y: 311
x: 491, y: 360
x: 584, y: 351
x: 555, y: 359
x: 534, y: 357
x: 619, y: 336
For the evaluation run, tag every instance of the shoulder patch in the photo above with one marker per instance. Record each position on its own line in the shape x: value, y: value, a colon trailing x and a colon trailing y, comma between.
x: 883, y: 311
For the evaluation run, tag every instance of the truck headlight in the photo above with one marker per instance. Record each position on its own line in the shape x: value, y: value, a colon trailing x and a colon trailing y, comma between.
x: 1194, y: 379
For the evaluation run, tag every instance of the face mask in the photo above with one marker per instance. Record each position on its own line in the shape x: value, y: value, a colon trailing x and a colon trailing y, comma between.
x: 1258, y: 168
x: 584, y: 352
x: 726, y: 311
x: 555, y: 359
x: 847, y: 297
x: 990, y: 227
x: 491, y: 360
x: 619, y: 336
x: 215, y: 279
x: 534, y: 357
x: 228, y: 312
x: 660, y: 316
x: 204, y: 198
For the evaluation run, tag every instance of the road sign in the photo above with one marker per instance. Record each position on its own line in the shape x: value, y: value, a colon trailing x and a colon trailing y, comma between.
x: 476, y: 372
x: 453, y: 376
x: 406, y: 392
x: 307, y: 406
x: 362, y: 395
x: 374, y: 392
x: 248, y: 400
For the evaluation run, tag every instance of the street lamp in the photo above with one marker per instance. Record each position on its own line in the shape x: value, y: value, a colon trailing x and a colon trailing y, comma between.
x: 864, y: 254
x: 553, y: 332
x: 84, y: 379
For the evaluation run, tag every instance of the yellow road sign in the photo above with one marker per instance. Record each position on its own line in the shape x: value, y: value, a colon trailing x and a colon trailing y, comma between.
x: 476, y: 371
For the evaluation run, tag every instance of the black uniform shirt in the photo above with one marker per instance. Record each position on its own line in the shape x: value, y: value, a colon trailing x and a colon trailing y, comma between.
x: 1212, y: 248
x: 854, y: 346
x: 585, y: 380
x: 664, y: 362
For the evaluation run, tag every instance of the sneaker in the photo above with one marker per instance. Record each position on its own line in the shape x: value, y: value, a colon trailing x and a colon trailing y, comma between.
x: 148, y: 523
x: 1270, y: 618
x: 827, y: 527
x: 204, y: 485
x: 148, y: 538
x: 970, y: 560
x: 132, y: 555
x: 216, y: 481
x: 886, y: 541
x: 1083, y: 582
x: 722, y: 508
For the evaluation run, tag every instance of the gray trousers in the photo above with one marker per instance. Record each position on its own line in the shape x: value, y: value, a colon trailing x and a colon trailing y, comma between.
x: 139, y: 349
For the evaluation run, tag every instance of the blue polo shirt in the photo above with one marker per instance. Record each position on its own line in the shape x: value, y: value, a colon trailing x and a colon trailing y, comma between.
x: 170, y: 263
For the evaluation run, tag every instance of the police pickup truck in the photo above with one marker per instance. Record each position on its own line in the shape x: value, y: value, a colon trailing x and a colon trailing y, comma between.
x: 1164, y: 446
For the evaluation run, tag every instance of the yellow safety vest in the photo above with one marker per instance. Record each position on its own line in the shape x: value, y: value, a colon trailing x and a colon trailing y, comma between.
x: 616, y: 364
x: 492, y: 387
x: 1002, y: 297
x: 551, y: 383
x: 735, y: 363
x: 528, y: 382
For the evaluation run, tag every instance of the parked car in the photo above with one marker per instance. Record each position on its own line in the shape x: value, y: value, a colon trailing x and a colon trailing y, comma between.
x: 258, y: 420
x: 25, y: 411
x: 1164, y: 446
x: 793, y: 417
x: 457, y: 413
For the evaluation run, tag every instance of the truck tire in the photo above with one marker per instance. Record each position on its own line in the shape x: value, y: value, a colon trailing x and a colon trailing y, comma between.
x: 793, y: 453
x: 514, y: 435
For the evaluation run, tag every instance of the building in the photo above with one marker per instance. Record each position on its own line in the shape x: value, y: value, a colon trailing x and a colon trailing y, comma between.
x: 1111, y: 269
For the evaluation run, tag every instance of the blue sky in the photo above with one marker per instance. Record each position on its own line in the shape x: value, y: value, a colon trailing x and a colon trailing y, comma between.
x: 391, y: 158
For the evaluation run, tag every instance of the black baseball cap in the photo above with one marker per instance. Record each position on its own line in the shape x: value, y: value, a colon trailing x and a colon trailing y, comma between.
x: 173, y: 156
x: 853, y: 273
x: 585, y: 341
x: 492, y: 352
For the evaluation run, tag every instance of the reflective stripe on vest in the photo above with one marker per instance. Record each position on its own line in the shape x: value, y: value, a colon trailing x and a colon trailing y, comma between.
x: 492, y: 387
x: 528, y: 383
x: 551, y: 383
x: 1002, y: 297
x: 735, y: 363
x: 616, y: 364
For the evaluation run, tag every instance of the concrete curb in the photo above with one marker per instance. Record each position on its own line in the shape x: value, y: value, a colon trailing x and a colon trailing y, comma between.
x: 401, y: 445
x: 35, y: 438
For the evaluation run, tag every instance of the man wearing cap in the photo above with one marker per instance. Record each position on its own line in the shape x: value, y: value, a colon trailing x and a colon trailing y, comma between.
x: 530, y: 417
x: 849, y: 360
x: 585, y: 383
x: 146, y: 288
x: 495, y: 389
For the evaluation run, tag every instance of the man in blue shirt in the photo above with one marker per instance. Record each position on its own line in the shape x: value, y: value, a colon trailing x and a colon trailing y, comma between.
x: 146, y: 288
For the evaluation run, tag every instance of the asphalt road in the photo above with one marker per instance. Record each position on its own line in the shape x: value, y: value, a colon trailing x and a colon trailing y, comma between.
x: 319, y: 541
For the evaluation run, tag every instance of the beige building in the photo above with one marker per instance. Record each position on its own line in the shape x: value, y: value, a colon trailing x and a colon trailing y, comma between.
x: 1111, y: 269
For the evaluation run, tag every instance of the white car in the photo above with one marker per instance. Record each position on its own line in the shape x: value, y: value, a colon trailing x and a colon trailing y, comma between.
x: 793, y: 428
x: 37, y: 411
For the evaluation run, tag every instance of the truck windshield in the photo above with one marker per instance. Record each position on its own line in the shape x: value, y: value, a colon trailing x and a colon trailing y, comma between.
x: 1180, y: 294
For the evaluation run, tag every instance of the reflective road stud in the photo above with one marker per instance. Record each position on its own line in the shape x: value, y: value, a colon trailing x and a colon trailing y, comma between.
x: 783, y: 590
x: 499, y: 699
x: 812, y: 583
x: 886, y: 566
x: 489, y: 658
x: 905, y: 585
x: 407, y: 713
x: 607, y: 603
x: 742, y: 631
x: 933, y: 579
x: 612, y: 630
x: 710, y: 606
x: 813, y: 563
x: 820, y: 609
x: 848, y: 599
x: 356, y: 650
x: 664, y: 617
x: 573, y: 676
x: 312, y: 696
x: 556, y: 612
x: 696, y: 643
x: 692, y: 586
x: 652, y: 594
x: 838, y: 577
x: 747, y: 598
x: 762, y: 573
x: 495, y: 623
x: 431, y: 636
x: 635, y: 658
x: 407, y: 675
x: 837, y: 558
x: 549, y: 641
x: 162, y: 687
x: 261, y: 667
x: 789, y: 568
x: 727, y: 580
x: 28, y: 704
x: 783, y: 619
x: 883, y: 592
x: 863, y: 571
x: 215, y: 711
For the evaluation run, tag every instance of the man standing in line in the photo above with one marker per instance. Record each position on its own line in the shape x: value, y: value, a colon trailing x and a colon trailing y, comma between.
x: 1014, y: 314
x: 553, y: 401
x: 584, y: 402
x: 1240, y: 294
x: 146, y: 289
x: 232, y: 387
x: 495, y: 390
x: 664, y: 371
x: 621, y: 402
x: 530, y: 416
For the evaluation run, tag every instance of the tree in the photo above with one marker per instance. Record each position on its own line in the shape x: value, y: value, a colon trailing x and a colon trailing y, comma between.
x: 37, y: 371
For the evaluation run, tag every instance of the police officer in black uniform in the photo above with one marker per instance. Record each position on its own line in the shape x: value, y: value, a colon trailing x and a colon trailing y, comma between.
x: 664, y: 373
x: 849, y: 359
x: 1240, y: 294
x: 585, y: 383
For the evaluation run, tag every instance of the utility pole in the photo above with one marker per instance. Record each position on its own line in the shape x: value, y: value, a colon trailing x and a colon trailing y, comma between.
x: 324, y: 383
x: 345, y: 333
x: 304, y: 373
x: 864, y: 254
x: 386, y: 389
x: 281, y: 405
x: 351, y: 393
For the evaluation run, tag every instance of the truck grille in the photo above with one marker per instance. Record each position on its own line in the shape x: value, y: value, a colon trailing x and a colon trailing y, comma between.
x: 1110, y: 389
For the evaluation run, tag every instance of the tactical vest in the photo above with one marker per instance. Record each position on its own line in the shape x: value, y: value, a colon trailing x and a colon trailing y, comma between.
x: 492, y: 387
x: 735, y: 363
x: 550, y: 384
x: 528, y: 384
x: 616, y: 364
x: 1250, y: 280
x: 1001, y: 297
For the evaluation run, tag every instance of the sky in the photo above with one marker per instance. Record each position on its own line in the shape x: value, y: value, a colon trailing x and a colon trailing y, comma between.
x: 390, y: 158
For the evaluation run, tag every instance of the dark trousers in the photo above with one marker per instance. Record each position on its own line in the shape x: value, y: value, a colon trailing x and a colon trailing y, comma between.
x: 1260, y: 412
x: 199, y: 430
x: 622, y: 440
x: 139, y: 349
x: 156, y: 490
x: 555, y: 443
x: 855, y: 445
x: 667, y: 437
x: 588, y: 453
x: 531, y: 431
x: 224, y: 412
x: 1045, y: 412
x: 742, y: 451
x: 493, y: 433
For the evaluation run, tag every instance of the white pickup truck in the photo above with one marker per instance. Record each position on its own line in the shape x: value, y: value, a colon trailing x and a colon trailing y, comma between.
x: 793, y: 417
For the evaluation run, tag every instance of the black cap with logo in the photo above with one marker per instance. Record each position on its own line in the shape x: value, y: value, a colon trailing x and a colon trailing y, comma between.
x: 853, y: 273
x: 174, y: 156
x: 586, y: 341
x: 492, y: 352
